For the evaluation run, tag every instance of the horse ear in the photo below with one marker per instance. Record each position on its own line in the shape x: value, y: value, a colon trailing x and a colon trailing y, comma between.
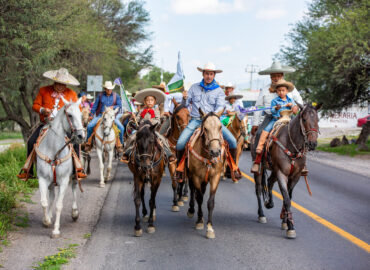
x: 175, y: 103
x: 66, y: 102
x: 202, y: 114
x: 318, y: 106
x: 300, y: 106
x: 153, y: 127
x: 220, y: 113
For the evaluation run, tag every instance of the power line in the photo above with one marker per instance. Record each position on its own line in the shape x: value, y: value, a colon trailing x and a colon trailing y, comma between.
x: 251, y: 69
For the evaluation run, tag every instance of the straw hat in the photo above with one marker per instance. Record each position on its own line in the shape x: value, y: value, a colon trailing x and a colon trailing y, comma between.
x: 89, y: 96
x: 229, y: 85
x: 161, y: 86
x: 283, y: 82
x: 108, y: 85
x: 61, y: 76
x: 136, y: 103
x: 158, y: 94
x: 235, y: 95
x: 209, y: 67
x: 277, y: 67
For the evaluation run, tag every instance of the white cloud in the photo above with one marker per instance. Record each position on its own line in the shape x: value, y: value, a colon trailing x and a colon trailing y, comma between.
x: 224, y: 49
x: 270, y: 14
x: 208, y: 6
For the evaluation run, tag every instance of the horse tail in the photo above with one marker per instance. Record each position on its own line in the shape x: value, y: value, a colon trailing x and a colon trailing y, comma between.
x: 265, y: 193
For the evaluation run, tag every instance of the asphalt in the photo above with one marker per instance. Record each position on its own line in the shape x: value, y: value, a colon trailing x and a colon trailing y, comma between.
x: 339, y: 197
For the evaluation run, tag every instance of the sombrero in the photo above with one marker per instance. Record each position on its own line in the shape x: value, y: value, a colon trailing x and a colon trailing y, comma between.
x: 276, y: 67
x: 161, y: 86
x: 234, y: 95
x: 230, y: 85
x: 209, y: 67
x: 288, y: 85
x: 61, y: 76
x: 89, y: 96
x: 158, y: 94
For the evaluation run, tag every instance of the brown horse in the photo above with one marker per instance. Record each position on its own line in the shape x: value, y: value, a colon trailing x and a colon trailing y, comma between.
x: 85, y: 116
x: 286, y: 158
x: 205, y: 165
x: 147, y: 166
x: 85, y: 156
x: 179, y: 120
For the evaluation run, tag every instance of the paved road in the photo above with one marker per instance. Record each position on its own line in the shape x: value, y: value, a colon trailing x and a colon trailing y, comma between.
x: 241, y: 242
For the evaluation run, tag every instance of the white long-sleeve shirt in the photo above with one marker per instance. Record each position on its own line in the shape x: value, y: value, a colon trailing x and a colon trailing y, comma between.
x: 264, y: 99
x: 168, y: 103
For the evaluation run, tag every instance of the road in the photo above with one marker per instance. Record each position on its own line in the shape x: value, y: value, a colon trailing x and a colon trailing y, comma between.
x: 241, y: 242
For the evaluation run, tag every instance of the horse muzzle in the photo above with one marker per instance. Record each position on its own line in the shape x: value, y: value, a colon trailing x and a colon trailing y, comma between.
x: 214, y: 153
x: 80, y: 136
x: 312, y: 146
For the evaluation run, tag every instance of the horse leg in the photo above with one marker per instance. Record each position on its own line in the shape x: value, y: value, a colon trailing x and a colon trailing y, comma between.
x: 199, y: 197
x: 100, y: 154
x: 270, y: 185
x: 191, y: 209
x: 175, y: 207
x: 88, y: 164
x: 185, y: 197
x: 258, y: 189
x: 211, y: 205
x: 144, y: 211
x: 44, y: 201
x: 179, y: 194
x: 75, y: 212
x: 63, y: 184
x: 137, y: 193
x: 283, y: 185
x: 153, y: 194
x: 51, y: 200
x: 109, y: 168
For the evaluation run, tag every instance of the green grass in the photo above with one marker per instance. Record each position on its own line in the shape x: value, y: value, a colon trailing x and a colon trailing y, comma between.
x: 10, y: 135
x: 55, y: 262
x: 347, y: 150
x: 87, y: 235
x: 11, y: 188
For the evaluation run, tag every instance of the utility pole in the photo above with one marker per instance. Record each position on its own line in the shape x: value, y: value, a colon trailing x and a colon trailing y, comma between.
x: 251, y: 69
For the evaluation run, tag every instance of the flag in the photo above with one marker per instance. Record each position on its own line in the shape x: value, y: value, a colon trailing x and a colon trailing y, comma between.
x: 176, y: 84
x: 126, y: 105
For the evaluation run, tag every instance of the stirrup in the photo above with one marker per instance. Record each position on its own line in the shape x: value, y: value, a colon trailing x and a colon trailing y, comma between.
x: 255, y: 168
x: 126, y: 161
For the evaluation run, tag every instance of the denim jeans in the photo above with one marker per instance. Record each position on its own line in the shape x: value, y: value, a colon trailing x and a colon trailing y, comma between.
x: 94, y: 121
x: 193, y: 125
x: 270, y: 125
x: 120, y: 127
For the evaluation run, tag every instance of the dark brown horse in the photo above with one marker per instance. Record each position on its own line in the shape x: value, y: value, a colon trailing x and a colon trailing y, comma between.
x: 147, y: 165
x: 179, y: 120
x: 286, y: 158
x: 206, y: 163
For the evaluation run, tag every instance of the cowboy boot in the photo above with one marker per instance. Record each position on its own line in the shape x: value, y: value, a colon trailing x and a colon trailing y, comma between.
x: 304, y: 172
x: 256, y: 164
x: 262, y: 141
x: 237, y: 175
x: 78, y: 166
x: 119, y: 145
x: 88, y: 144
x: 179, y: 175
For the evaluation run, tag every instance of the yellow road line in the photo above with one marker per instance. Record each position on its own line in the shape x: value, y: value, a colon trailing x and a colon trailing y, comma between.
x: 322, y: 221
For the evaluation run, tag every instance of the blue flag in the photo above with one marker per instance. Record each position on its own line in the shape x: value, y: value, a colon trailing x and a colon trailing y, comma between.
x: 126, y: 105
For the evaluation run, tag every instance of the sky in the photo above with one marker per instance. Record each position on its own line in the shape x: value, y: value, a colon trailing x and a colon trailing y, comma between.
x: 233, y: 34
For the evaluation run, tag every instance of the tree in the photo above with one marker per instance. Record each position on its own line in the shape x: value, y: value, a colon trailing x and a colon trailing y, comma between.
x: 330, y: 49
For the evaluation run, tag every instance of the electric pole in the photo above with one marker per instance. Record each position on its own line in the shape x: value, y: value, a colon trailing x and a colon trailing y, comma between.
x: 251, y: 69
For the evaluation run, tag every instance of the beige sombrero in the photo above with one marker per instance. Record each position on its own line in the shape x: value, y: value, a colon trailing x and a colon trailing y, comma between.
x: 209, y: 67
x: 229, y: 85
x: 89, y: 96
x: 234, y: 95
x: 109, y: 85
x: 61, y: 76
x: 288, y: 85
x: 276, y: 67
x: 158, y: 94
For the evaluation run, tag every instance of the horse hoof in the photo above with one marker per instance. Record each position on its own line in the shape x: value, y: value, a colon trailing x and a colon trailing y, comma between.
x: 269, y: 205
x: 199, y: 226
x: 190, y: 215
x: 138, y: 233
x: 102, y: 185
x: 236, y: 182
x: 175, y: 208
x: 55, y: 235
x: 211, y: 235
x: 180, y: 203
x: 75, y: 215
x: 150, y: 229
x: 145, y: 219
x: 290, y: 234
x: 262, y: 220
x: 184, y: 198
x: 284, y: 226
x: 46, y: 224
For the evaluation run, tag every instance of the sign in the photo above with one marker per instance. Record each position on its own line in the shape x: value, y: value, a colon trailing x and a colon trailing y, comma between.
x: 344, y: 119
x: 94, y: 83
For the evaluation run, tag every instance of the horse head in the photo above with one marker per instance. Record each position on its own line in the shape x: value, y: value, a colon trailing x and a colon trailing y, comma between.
x: 212, y: 132
x: 85, y: 116
x: 72, y: 121
x: 181, y: 116
x: 146, y: 143
x: 309, y: 122
x: 108, y: 117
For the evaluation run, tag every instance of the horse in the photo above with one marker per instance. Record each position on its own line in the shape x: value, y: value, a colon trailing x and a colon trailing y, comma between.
x: 286, y: 159
x: 179, y: 120
x: 85, y: 156
x: 54, y: 161
x: 205, y: 164
x: 147, y: 166
x: 105, y: 142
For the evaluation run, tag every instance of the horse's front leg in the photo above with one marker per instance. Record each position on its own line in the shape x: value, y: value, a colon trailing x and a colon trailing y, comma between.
x: 137, y: 200
x: 283, y: 185
x: 51, y: 199
x: 153, y: 194
x: 175, y: 207
x: 211, y: 204
x: 185, y: 197
x: 63, y: 184
x: 199, y: 197
x: 75, y: 212
x: 258, y: 189
x: 191, y: 209
x: 109, y: 168
x: 43, y: 187
x: 144, y: 211
x: 270, y: 185
x: 99, y: 152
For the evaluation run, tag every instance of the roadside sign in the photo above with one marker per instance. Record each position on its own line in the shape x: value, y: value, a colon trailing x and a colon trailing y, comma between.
x: 94, y: 83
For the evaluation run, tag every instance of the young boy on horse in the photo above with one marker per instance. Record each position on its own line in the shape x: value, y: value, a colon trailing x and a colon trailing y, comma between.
x: 106, y: 99
x: 231, y: 107
x: 278, y: 104
x: 47, y: 104
x: 149, y: 97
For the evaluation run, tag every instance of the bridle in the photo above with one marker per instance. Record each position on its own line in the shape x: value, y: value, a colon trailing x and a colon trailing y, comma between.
x: 209, y: 141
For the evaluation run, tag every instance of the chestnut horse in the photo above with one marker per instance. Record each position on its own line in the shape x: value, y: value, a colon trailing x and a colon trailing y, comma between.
x: 147, y: 166
x: 286, y: 159
x: 205, y: 165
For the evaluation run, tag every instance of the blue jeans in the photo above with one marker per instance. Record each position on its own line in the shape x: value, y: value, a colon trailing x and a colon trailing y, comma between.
x: 94, y: 121
x: 120, y: 126
x: 270, y: 125
x: 193, y: 125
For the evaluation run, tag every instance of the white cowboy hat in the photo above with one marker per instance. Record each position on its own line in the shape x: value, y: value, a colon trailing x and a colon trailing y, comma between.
x: 234, y: 94
x: 209, y: 67
x: 108, y: 85
x: 89, y: 96
x: 230, y: 85
x: 276, y: 67
x: 128, y: 93
x: 61, y: 76
x: 136, y: 103
x: 158, y: 94
x: 283, y: 82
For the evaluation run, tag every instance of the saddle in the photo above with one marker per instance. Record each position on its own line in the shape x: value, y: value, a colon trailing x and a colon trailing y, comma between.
x: 279, y: 124
x: 94, y: 134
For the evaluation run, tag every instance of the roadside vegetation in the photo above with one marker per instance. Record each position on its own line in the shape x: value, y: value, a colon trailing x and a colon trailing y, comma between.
x: 12, y: 190
x: 10, y: 135
x: 347, y: 150
x: 56, y: 261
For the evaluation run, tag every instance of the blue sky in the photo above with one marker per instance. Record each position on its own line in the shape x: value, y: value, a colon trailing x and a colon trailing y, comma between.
x: 230, y: 33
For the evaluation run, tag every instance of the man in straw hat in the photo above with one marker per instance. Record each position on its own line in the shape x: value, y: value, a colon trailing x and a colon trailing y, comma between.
x: 47, y: 104
x: 208, y: 96
x: 108, y: 98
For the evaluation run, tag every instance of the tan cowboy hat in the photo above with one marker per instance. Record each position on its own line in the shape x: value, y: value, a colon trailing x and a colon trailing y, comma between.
x: 161, y: 86
x: 235, y: 95
x: 158, y: 94
x: 109, y: 85
x: 61, y: 76
x: 209, y: 67
x: 283, y: 82
x: 276, y: 67
x: 89, y: 96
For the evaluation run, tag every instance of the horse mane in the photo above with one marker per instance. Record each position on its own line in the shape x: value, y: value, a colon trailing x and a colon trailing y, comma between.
x: 209, y: 115
x: 144, y: 130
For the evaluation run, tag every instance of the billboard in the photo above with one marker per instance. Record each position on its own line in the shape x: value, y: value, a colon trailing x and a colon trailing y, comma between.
x: 94, y: 83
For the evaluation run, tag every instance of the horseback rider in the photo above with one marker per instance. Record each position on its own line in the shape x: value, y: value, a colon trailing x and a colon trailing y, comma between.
x: 47, y: 104
x: 229, y: 89
x: 86, y: 100
x: 150, y: 97
x: 231, y: 107
x: 108, y: 98
x: 208, y: 96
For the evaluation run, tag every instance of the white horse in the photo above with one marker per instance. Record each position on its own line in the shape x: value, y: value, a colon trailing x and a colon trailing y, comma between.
x: 54, y: 162
x: 105, y: 139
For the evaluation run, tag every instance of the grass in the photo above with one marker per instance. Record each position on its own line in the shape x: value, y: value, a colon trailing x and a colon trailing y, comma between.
x: 55, y: 262
x: 12, y: 190
x: 347, y: 150
x: 10, y: 135
x: 87, y: 235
